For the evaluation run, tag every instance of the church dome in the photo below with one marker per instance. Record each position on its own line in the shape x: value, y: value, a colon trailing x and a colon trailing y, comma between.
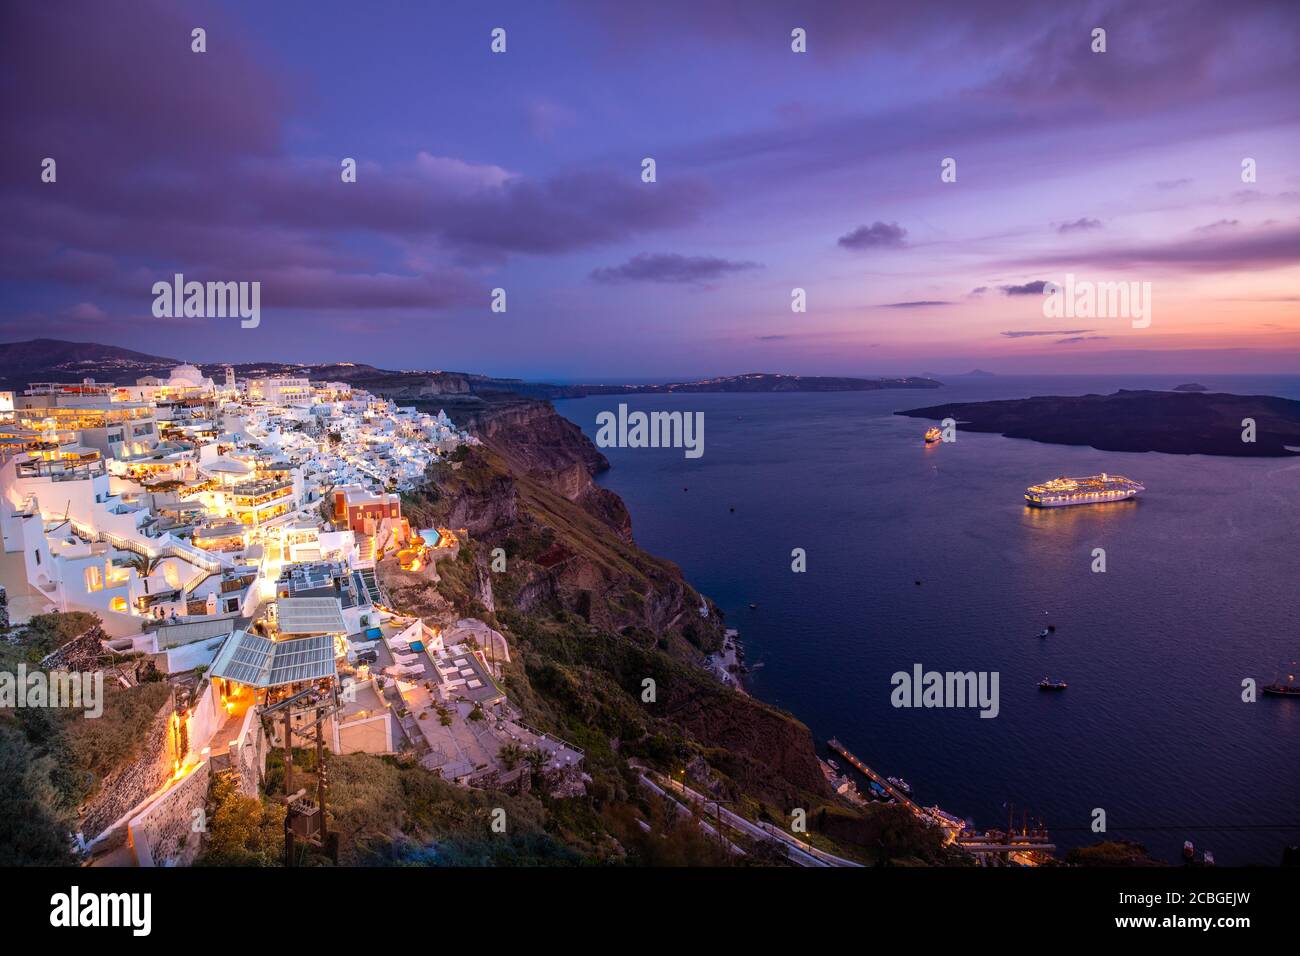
x: 186, y: 375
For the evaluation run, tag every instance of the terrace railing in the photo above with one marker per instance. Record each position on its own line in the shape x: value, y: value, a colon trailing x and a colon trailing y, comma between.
x: 183, y: 552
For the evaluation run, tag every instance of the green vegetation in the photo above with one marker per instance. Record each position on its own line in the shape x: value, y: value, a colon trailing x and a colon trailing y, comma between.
x: 35, y: 821
x: 42, y: 635
x: 390, y: 812
x: 144, y: 566
x: 52, y: 761
x: 242, y: 831
x: 1111, y: 853
x: 119, y: 736
x: 885, y: 836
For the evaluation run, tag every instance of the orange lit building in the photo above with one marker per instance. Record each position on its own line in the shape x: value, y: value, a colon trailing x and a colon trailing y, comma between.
x: 365, y: 512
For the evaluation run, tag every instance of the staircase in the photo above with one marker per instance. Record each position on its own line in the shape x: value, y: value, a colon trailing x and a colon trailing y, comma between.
x: 372, y: 585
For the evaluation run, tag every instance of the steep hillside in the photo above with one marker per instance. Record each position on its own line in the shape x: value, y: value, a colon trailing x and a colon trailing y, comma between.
x: 593, y: 621
x: 595, y: 614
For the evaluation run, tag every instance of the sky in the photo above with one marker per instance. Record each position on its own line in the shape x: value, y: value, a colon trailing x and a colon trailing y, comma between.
x: 775, y: 170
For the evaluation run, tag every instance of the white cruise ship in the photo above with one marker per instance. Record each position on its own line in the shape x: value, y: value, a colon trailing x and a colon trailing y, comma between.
x: 1094, y: 489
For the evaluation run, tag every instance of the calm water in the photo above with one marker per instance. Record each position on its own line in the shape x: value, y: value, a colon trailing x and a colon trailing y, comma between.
x: 1201, y: 591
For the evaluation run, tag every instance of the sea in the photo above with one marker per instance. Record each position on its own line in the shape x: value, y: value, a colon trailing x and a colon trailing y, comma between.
x: 928, y: 555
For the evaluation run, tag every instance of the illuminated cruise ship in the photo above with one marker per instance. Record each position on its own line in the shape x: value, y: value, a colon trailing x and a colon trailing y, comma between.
x: 1081, y: 491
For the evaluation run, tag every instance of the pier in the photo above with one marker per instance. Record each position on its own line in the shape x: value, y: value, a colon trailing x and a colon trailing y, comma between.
x: 889, y: 788
x: 1010, y: 845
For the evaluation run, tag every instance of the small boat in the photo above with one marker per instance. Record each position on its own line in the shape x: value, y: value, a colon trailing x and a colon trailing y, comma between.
x: 752, y: 605
x: 1284, y: 686
x: 898, y: 783
x: 1049, y: 684
x: 1050, y: 629
x: 879, y: 793
x: 833, y: 764
x: 933, y: 435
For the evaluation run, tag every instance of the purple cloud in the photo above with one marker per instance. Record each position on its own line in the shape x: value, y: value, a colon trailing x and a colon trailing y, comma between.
x: 879, y: 235
x: 1083, y: 224
x: 671, y: 267
x: 1220, y: 250
x: 1219, y: 224
x: 1023, y: 334
x: 1029, y: 288
x: 163, y: 169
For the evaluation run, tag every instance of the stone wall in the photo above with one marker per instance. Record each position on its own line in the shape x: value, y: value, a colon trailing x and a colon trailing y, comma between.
x: 85, y: 652
x: 126, y: 787
x: 165, y: 833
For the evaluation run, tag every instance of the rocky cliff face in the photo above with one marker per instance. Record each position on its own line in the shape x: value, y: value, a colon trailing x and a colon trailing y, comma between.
x: 569, y: 550
x: 567, y: 542
x: 542, y: 445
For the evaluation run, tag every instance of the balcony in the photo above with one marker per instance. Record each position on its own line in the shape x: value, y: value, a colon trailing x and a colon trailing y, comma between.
x: 61, y: 469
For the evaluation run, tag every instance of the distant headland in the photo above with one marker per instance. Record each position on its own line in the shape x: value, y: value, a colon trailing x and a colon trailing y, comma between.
x: 766, y: 382
x: 1179, y: 422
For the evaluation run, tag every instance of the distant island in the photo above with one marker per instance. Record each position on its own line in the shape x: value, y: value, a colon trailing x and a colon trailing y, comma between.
x: 762, y: 382
x: 973, y: 373
x: 1178, y: 423
x: 1191, y: 387
x: 57, y: 360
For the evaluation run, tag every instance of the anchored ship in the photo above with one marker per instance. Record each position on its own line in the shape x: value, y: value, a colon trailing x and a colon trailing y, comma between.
x: 1288, y: 685
x: 1094, y: 489
x: 933, y: 435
